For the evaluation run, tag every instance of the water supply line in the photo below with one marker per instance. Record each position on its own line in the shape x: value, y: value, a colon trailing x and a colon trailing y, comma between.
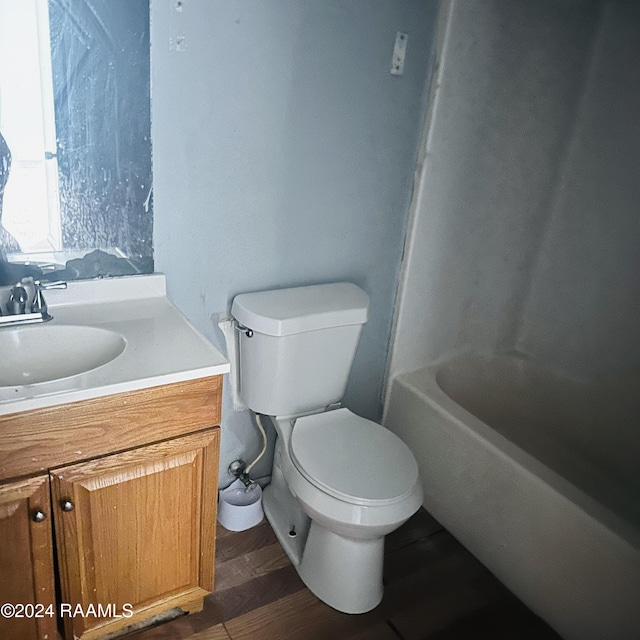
x: 264, y: 443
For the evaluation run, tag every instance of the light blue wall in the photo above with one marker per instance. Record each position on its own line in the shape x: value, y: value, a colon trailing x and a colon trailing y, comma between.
x: 284, y: 153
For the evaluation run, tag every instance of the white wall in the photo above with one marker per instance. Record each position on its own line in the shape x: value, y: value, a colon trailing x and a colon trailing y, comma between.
x: 524, y: 228
x: 582, y: 310
x: 283, y: 155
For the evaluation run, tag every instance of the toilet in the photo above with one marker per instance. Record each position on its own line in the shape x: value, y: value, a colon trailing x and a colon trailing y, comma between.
x: 340, y: 482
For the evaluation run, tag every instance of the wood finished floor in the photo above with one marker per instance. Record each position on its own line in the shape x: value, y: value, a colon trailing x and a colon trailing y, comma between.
x: 434, y: 589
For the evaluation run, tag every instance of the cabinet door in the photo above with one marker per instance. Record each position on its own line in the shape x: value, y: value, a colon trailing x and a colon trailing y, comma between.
x: 26, y: 561
x: 135, y: 533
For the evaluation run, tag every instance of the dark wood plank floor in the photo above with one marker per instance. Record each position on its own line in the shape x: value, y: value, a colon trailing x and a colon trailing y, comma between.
x: 434, y: 589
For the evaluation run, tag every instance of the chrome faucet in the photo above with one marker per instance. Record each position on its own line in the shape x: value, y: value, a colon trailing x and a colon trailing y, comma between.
x: 39, y: 304
x: 17, y: 300
x: 17, y: 306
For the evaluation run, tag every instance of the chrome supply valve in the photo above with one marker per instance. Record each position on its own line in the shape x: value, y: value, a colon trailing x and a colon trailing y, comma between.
x: 237, y: 469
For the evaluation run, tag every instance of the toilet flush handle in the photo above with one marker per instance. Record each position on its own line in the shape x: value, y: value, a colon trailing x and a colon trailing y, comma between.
x: 247, y: 332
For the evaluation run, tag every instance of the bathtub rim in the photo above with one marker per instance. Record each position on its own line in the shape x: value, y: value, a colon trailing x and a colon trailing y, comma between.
x: 423, y: 382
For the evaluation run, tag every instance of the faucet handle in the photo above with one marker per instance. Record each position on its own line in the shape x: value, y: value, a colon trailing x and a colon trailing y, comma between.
x: 17, y: 300
x: 39, y: 305
x: 59, y: 284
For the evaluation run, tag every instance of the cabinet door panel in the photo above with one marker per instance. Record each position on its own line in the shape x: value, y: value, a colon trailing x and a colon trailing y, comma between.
x: 26, y: 559
x: 139, y: 531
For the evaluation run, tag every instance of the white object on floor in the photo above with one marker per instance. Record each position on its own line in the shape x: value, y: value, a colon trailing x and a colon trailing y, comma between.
x: 240, y: 508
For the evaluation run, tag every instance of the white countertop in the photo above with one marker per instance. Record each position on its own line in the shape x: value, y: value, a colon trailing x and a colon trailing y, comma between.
x: 162, y: 346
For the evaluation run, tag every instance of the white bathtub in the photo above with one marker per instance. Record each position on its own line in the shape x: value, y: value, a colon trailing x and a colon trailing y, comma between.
x: 538, y: 475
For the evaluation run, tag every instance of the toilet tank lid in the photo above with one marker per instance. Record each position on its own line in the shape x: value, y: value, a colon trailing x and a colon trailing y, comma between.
x: 283, y: 312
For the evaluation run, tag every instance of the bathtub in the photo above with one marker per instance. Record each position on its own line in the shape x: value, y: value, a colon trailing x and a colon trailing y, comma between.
x: 538, y: 475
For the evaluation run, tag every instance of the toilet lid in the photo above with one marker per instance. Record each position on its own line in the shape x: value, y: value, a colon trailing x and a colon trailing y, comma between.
x: 353, y: 459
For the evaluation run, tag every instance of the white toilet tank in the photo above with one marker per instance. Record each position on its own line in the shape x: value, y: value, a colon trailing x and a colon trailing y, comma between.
x: 302, y: 345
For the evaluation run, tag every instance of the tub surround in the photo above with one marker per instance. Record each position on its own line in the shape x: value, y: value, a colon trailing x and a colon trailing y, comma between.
x: 121, y: 463
x: 524, y: 231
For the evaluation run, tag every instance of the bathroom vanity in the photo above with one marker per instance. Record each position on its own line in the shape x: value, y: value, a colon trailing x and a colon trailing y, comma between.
x: 108, y: 477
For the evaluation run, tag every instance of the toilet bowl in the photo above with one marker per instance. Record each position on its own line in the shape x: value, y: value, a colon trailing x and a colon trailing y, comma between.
x: 343, y: 508
x: 339, y: 482
x: 351, y: 473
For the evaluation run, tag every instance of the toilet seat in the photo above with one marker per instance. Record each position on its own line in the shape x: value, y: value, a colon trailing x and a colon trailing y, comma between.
x: 352, y: 458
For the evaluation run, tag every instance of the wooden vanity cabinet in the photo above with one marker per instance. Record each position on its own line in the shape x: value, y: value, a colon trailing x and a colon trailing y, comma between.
x: 132, y: 480
x: 135, y: 532
x: 26, y: 561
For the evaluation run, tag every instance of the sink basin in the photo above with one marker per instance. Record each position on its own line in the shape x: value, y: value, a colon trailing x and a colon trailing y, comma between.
x: 43, y: 353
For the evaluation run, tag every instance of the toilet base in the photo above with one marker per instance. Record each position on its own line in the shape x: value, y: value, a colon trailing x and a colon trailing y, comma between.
x: 345, y: 573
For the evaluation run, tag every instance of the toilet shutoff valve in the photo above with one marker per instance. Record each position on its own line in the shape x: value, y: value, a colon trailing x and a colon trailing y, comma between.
x: 237, y: 469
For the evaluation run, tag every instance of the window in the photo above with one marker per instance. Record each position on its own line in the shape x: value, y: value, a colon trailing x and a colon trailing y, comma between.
x: 31, y: 207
